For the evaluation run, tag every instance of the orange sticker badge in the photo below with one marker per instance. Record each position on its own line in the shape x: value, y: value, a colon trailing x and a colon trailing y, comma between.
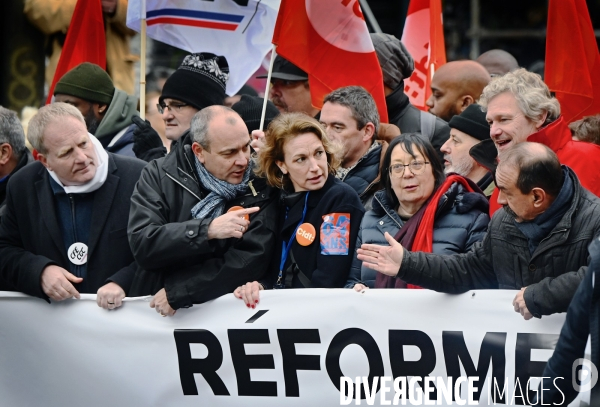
x: 306, y: 234
x: 239, y: 208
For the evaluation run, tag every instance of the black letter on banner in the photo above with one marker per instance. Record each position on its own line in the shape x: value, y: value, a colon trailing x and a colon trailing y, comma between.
x: 243, y: 363
x: 353, y: 336
x: 207, y: 367
x: 419, y: 368
x: 524, y: 367
x: 292, y: 362
x: 492, y: 350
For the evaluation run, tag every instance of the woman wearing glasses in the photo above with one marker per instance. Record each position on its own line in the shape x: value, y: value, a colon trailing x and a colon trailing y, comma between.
x: 421, y: 207
x: 320, y: 214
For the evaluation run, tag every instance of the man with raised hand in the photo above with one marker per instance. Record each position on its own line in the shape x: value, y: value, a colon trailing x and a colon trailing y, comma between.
x: 537, y: 244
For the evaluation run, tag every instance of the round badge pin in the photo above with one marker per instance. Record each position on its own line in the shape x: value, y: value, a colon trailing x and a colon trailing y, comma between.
x: 78, y: 253
x: 239, y: 208
x: 306, y: 234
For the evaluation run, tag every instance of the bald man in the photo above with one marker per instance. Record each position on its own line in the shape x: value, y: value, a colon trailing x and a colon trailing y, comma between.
x: 455, y: 86
x: 537, y: 244
x: 498, y: 62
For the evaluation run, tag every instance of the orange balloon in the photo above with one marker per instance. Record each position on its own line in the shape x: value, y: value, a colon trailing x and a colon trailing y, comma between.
x: 306, y: 234
x: 239, y: 208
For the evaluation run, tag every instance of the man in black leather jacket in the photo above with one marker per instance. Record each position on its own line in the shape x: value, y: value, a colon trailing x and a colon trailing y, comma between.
x: 189, y: 247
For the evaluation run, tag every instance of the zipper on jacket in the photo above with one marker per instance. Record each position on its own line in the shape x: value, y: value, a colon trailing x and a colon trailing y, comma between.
x: 182, y: 186
x: 191, y: 167
x: 387, y: 213
x: 74, y: 228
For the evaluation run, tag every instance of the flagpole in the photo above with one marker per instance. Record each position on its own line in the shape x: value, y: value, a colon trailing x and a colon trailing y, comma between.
x: 143, y: 62
x: 266, y: 98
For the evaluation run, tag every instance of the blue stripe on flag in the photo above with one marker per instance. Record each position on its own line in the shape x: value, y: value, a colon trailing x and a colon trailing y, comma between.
x: 173, y: 12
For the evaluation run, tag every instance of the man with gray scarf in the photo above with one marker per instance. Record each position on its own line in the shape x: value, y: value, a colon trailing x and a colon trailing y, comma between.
x: 200, y: 223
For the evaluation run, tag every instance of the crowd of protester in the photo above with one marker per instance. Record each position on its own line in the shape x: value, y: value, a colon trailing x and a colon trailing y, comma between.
x: 489, y: 189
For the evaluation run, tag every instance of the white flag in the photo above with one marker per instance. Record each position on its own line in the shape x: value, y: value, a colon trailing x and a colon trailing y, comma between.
x: 240, y: 30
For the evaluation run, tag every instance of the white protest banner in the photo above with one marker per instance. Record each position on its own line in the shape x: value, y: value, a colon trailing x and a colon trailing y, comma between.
x: 240, y: 30
x: 293, y: 349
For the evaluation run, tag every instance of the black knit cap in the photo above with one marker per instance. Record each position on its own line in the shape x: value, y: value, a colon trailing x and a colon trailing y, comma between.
x: 200, y: 81
x: 472, y: 122
x: 250, y: 108
x: 87, y: 81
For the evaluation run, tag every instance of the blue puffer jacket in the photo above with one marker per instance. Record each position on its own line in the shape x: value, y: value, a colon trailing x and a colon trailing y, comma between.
x: 460, y: 221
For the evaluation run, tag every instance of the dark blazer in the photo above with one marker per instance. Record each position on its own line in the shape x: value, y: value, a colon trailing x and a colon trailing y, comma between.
x: 30, y: 236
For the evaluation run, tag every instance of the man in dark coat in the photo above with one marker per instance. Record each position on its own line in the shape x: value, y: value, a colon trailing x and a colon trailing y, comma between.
x: 396, y: 65
x: 189, y: 247
x: 65, y: 226
x: 537, y: 243
x: 350, y: 117
x: 14, y: 155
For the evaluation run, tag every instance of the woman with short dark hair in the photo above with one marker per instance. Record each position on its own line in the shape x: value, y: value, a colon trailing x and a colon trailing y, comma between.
x: 421, y: 207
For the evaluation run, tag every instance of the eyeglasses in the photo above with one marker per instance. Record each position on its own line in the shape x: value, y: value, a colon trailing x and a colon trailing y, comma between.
x: 416, y: 167
x: 176, y: 106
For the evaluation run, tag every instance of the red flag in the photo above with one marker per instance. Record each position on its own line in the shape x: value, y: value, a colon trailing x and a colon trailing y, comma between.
x: 423, y: 37
x: 572, y: 68
x: 330, y: 41
x: 85, y: 42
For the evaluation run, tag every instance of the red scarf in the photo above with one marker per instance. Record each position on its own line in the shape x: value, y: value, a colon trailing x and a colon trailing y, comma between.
x: 416, y: 235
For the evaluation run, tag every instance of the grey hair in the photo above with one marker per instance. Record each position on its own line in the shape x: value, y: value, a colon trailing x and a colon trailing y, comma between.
x: 361, y: 104
x: 530, y: 91
x: 201, y: 122
x: 45, y: 116
x: 11, y: 131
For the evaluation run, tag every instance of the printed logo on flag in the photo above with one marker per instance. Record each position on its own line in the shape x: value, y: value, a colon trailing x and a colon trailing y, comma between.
x: 418, y: 46
x: 194, y: 18
x: 347, y: 30
x: 335, y: 234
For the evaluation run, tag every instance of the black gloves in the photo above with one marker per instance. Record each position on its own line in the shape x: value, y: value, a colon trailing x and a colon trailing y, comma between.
x: 147, y: 144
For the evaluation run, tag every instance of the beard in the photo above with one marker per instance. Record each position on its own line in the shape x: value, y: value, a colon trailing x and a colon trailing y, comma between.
x: 91, y: 122
x: 462, y: 167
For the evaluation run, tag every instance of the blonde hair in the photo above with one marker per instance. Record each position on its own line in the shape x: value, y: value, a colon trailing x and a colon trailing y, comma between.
x: 530, y: 91
x: 45, y: 116
x: 283, y: 128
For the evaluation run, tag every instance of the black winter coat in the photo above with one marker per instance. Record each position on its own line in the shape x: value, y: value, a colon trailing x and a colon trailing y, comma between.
x: 173, y: 249
x: 551, y: 275
x: 408, y: 119
x: 583, y: 319
x: 30, y: 236
x: 364, y: 177
x: 460, y: 221
x: 322, y: 265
